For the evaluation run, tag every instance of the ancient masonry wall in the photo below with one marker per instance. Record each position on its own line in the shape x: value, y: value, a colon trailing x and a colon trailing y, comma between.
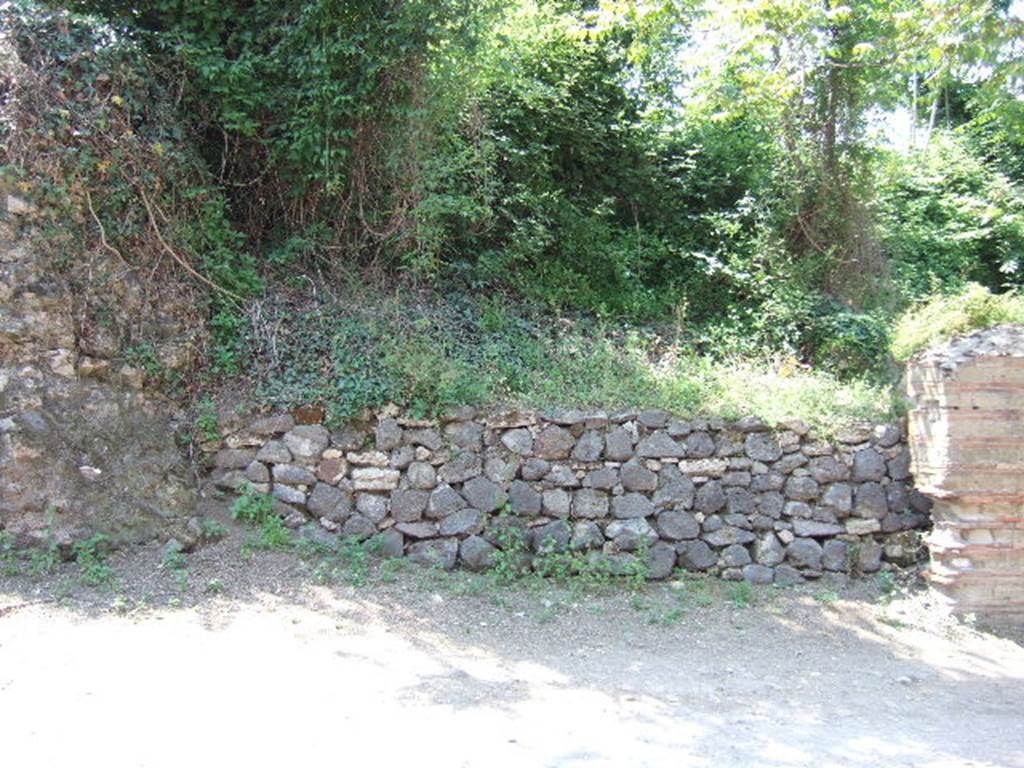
x: 967, y: 443
x: 742, y: 499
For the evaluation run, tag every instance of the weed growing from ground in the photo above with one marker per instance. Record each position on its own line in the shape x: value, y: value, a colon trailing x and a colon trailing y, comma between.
x: 688, y: 587
x: 273, y: 534
x: 349, y: 561
x: 174, y: 561
x: 464, y: 584
x: 120, y: 605
x: 511, y: 560
x: 35, y: 560
x: 257, y: 509
x: 548, y: 612
x: 672, y: 611
x: 252, y: 506
x: 355, y: 556
x: 640, y: 603
x: 639, y: 568
x: 64, y: 589
x: 390, y: 568
x: 741, y: 594
x: 89, y: 555
x: 887, y: 584
x: 44, y: 559
x: 669, y: 616
x: 177, y: 563
x: 10, y: 564
x: 212, y: 529
x: 554, y: 576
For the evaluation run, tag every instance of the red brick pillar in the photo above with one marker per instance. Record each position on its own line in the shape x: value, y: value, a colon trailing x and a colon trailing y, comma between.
x: 967, y: 445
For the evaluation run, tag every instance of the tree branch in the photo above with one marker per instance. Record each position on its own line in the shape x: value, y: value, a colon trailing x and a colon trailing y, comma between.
x: 181, y: 259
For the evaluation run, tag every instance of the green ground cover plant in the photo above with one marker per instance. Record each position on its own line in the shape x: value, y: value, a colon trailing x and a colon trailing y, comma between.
x: 369, y: 349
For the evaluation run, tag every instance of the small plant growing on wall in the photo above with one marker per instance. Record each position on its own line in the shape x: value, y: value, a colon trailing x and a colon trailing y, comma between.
x: 207, y: 423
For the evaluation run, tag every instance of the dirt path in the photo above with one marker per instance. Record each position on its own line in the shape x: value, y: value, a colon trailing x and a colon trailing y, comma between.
x: 439, y: 670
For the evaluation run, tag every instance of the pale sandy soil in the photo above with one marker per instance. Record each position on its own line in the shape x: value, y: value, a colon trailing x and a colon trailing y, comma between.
x: 426, y: 670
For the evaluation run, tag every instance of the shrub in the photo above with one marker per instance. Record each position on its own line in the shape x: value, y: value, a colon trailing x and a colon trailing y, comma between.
x: 847, y: 342
x: 947, y: 216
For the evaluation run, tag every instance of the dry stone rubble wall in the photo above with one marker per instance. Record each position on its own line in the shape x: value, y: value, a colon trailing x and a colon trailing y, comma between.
x: 744, y: 499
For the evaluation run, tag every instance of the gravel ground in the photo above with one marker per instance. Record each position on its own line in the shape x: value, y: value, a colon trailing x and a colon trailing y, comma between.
x: 271, y: 659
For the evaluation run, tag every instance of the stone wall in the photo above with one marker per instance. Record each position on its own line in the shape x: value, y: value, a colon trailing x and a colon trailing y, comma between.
x: 742, y: 499
x: 87, y: 446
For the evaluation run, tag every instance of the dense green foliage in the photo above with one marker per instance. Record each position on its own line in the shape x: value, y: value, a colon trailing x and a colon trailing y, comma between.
x: 715, y: 169
x: 947, y: 216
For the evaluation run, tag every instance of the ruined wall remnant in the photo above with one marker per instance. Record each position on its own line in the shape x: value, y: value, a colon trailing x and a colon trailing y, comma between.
x: 967, y: 443
x: 83, y: 447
